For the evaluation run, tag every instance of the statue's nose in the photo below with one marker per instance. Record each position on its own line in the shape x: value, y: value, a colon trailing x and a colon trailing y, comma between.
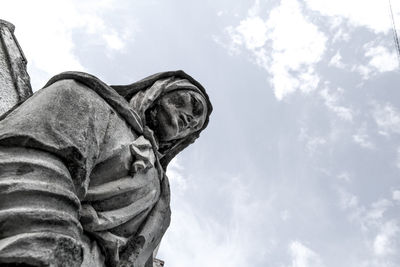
x: 187, y: 119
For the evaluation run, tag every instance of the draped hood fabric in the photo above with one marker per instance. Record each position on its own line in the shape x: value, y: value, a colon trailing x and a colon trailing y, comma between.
x: 142, y: 95
x: 168, y: 81
x: 144, y: 89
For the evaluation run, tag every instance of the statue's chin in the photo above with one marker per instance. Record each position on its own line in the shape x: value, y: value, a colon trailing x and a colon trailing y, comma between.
x: 165, y: 132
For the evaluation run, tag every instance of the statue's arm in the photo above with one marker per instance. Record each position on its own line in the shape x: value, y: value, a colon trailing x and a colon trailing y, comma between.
x: 67, y: 120
x: 48, y: 146
x: 39, y: 222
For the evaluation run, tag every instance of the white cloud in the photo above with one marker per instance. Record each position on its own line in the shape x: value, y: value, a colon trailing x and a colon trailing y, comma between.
x: 312, y: 143
x: 336, y: 61
x: 45, y: 31
x: 302, y: 256
x: 398, y: 158
x: 197, y: 239
x: 377, y: 210
x: 255, y: 9
x: 296, y: 44
x: 193, y: 240
x: 387, y: 117
x: 331, y: 99
x: 220, y: 13
x: 384, y: 243
x: 381, y: 233
x: 341, y: 35
x: 285, y: 215
x: 251, y: 32
x: 347, y: 200
x: 373, y: 14
x: 344, y: 176
x: 364, y: 70
x: 396, y: 195
x: 381, y: 59
x: 350, y: 203
x: 176, y: 177
x: 362, y: 138
x: 370, y: 217
x: 114, y: 41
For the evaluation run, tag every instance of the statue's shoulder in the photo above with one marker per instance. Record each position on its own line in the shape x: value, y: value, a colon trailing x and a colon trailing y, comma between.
x: 65, y: 94
x: 104, y: 91
x: 81, y: 77
x: 74, y: 80
x: 81, y: 87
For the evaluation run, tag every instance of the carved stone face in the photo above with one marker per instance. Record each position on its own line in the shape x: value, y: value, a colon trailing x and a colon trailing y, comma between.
x: 177, y: 114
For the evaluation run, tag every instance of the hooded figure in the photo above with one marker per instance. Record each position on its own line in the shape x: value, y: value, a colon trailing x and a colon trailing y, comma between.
x: 83, y: 178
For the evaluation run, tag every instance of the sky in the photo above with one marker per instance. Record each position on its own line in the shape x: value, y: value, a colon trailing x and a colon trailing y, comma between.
x: 300, y: 164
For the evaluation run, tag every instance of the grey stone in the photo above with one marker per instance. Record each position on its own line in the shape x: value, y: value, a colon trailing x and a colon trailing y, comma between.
x: 82, y: 168
x: 158, y: 263
x: 14, y: 79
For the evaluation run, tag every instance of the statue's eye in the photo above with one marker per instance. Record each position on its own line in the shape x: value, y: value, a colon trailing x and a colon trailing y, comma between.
x: 178, y: 101
x: 197, y: 106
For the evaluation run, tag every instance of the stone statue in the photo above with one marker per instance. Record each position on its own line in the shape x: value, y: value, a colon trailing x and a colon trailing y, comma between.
x: 82, y: 168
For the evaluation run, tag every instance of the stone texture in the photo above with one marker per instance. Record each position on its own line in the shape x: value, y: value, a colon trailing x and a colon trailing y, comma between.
x: 38, y: 210
x: 158, y: 263
x: 8, y: 93
x: 14, y: 80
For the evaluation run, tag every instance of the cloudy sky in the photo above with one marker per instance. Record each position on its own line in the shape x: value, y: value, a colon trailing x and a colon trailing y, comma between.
x: 300, y: 164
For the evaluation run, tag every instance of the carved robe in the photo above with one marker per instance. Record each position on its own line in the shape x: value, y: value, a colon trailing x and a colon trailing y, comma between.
x: 80, y: 181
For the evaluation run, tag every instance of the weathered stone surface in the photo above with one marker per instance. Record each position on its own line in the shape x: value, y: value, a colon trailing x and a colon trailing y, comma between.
x: 8, y: 93
x: 158, y: 263
x: 14, y: 80
x: 39, y: 221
